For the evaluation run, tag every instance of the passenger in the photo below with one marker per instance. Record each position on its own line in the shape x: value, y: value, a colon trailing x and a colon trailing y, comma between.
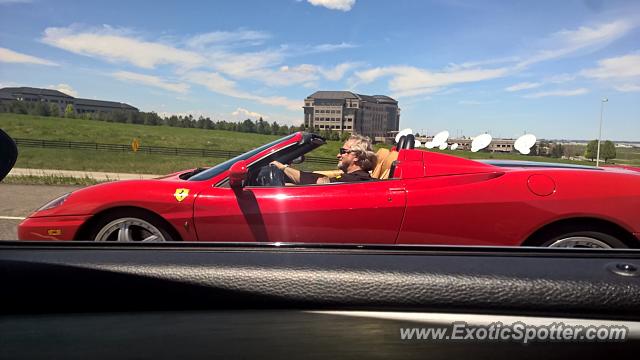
x: 355, y: 158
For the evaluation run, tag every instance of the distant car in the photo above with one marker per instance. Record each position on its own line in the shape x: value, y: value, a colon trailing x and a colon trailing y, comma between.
x: 418, y: 197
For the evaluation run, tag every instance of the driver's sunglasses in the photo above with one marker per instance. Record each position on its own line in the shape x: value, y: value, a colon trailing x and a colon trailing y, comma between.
x: 345, y: 151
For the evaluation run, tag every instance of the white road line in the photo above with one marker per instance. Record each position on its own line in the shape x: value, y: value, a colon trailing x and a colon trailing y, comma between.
x: 11, y: 218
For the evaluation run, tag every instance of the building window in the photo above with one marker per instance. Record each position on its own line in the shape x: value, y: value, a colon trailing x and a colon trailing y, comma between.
x: 317, y: 111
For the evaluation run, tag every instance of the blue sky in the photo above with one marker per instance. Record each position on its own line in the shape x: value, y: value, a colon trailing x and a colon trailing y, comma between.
x: 464, y: 66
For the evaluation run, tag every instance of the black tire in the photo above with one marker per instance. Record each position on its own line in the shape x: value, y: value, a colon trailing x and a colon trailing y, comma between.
x: 578, y: 238
x: 130, y: 226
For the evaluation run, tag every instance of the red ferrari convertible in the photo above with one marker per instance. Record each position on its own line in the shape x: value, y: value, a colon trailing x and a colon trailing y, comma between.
x: 417, y: 197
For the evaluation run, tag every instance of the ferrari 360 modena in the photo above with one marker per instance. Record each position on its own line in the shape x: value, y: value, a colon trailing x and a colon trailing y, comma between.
x: 416, y: 197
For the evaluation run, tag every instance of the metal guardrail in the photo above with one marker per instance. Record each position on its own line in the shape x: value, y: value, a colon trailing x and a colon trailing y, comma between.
x: 157, y: 150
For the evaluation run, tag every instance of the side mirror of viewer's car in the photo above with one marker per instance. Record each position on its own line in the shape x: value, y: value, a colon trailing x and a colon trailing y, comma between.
x: 237, y: 174
x: 9, y: 153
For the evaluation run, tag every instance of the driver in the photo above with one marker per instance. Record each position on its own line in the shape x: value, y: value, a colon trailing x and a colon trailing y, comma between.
x: 355, y: 158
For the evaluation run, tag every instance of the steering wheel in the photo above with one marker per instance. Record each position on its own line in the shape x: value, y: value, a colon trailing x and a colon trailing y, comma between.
x: 270, y: 175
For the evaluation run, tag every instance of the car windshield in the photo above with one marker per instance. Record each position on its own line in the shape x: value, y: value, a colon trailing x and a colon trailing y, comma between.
x: 218, y: 169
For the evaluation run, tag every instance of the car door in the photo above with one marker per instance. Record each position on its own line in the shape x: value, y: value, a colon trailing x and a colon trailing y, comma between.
x: 367, y: 212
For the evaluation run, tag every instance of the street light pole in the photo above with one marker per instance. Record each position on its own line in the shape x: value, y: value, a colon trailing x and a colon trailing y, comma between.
x: 604, y: 100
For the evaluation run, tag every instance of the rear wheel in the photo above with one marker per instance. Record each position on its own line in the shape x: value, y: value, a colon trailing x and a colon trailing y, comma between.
x: 585, y: 239
x: 131, y: 227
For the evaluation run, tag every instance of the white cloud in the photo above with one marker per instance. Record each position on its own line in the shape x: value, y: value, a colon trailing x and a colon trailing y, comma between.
x: 475, y: 64
x: 584, y: 39
x: 112, y: 45
x: 332, y: 47
x: 10, y: 56
x: 522, y: 86
x: 219, y: 84
x: 627, y: 87
x: 574, y: 92
x: 245, y: 65
x: 622, y: 73
x: 337, y: 72
x: 622, y: 67
x: 560, y: 78
x: 343, y: 5
x: 285, y: 75
x: 412, y: 81
x: 301, y: 74
x: 151, y: 81
x: 213, y: 81
x: 218, y: 38
x: 241, y: 113
x: 64, y: 88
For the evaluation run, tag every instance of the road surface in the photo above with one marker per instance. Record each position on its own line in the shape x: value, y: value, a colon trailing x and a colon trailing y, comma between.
x: 18, y: 201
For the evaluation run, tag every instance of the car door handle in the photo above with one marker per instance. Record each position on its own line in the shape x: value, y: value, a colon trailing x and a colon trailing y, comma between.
x: 394, y: 191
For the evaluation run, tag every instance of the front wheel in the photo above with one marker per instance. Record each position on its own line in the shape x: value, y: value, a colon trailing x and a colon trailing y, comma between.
x: 131, y: 228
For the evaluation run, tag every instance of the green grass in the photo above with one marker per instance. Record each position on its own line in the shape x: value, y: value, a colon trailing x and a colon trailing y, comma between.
x: 129, y: 162
x: 48, y: 180
x: 49, y: 128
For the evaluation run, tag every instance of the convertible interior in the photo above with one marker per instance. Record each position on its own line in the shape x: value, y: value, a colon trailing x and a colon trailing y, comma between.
x: 262, y: 174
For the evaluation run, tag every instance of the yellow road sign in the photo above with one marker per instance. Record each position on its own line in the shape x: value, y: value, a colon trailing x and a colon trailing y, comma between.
x: 135, y: 144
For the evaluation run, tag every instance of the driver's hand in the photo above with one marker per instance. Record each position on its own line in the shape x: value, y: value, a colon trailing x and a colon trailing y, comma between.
x: 278, y: 164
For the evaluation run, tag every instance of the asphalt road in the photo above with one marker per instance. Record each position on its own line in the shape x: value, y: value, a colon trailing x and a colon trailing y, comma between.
x: 18, y: 201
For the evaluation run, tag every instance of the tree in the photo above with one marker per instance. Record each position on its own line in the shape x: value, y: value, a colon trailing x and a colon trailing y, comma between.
x: 591, y: 150
x: 41, y: 109
x: 260, y: 127
x: 543, y: 148
x: 171, y: 121
x: 267, y: 128
x: 248, y: 126
x: 54, y: 110
x: 152, y: 119
x: 69, y: 112
x: 345, y: 135
x: 275, y: 128
x: 19, y: 107
x: 608, y: 150
x: 557, y: 151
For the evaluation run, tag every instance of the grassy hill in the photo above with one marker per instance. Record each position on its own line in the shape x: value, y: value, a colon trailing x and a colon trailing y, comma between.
x: 49, y: 128
x: 52, y: 128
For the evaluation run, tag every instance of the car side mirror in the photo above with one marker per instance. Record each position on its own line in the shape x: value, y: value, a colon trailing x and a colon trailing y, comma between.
x: 238, y: 174
x: 9, y: 153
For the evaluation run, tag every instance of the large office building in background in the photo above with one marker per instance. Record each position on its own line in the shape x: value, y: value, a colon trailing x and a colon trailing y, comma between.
x: 80, y: 106
x: 376, y: 116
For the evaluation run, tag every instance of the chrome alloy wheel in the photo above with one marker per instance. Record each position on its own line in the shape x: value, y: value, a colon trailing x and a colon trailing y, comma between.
x: 580, y: 242
x: 130, y: 229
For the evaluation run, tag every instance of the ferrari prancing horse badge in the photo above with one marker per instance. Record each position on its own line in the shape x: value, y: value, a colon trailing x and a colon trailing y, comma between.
x: 181, y: 194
